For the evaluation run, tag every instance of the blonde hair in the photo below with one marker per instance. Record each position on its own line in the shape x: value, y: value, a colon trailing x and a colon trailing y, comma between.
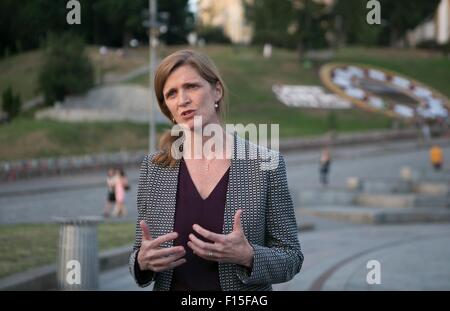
x: 207, y: 70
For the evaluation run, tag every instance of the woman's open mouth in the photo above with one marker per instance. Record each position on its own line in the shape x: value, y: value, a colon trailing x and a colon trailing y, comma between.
x: 187, y: 114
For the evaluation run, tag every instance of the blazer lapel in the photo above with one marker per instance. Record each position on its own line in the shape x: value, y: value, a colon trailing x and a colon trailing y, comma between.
x: 162, y: 214
x: 234, y: 191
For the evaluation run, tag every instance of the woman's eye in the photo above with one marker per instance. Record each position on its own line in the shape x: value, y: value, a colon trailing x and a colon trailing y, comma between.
x: 192, y: 86
x: 170, y: 94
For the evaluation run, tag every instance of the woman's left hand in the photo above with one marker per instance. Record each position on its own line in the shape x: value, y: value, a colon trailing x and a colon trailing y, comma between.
x: 230, y: 248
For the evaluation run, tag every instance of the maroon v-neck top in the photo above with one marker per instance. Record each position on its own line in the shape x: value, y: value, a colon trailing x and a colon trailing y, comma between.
x: 197, y: 273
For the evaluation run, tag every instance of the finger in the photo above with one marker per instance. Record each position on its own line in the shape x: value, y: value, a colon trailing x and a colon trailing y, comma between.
x: 220, y: 238
x: 165, y: 238
x: 201, y: 244
x: 169, y: 251
x: 172, y: 265
x: 167, y: 260
x: 200, y: 252
x: 178, y: 263
x: 145, y: 231
x: 237, y: 226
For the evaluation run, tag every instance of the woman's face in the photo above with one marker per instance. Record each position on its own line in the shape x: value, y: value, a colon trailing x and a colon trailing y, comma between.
x: 187, y: 95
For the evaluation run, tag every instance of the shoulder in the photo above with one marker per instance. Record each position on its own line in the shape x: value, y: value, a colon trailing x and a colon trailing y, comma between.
x: 269, y: 159
x: 260, y: 150
x: 150, y: 163
x: 148, y: 158
x: 264, y: 151
x: 147, y: 161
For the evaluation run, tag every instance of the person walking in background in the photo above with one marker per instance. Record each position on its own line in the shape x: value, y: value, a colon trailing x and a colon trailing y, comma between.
x: 325, y: 162
x: 111, y: 196
x: 426, y: 132
x: 436, y: 157
x: 121, y: 185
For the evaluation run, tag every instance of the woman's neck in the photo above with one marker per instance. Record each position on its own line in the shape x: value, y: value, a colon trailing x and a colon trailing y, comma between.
x: 199, y: 146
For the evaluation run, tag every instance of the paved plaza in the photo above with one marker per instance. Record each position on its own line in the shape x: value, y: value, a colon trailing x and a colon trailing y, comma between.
x: 411, y: 256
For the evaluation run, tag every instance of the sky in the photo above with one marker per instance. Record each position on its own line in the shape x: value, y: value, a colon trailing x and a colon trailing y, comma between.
x: 192, y: 6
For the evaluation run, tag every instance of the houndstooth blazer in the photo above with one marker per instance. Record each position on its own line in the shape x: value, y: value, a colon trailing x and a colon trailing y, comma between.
x: 268, y: 218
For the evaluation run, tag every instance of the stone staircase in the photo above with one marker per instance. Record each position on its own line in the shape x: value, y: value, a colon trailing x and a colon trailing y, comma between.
x: 415, y: 196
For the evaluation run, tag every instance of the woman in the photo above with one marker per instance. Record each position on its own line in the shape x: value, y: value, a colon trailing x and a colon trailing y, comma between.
x: 214, y: 222
x: 111, y: 197
x: 120, y: 187
x: 324, y: 163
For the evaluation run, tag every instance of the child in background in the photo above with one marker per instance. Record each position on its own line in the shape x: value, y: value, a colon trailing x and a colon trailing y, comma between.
x: 111, y: 196
x: 121, y: 186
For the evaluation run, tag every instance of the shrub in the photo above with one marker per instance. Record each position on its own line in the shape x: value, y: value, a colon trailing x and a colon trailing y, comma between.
x: 11, y: 103
x: 66, y: 69
x: 213, y: 35
x: 433, y: 45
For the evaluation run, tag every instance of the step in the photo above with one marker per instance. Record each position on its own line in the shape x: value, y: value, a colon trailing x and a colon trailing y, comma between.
x: 323, y: 197
x: 385, y: 200
x: 401, y: 200
x: 432, y: 188
x: 385, y: 186
x: 431, y: 175
x: 373, y: 215
x: 398, y: 186
x: 426, y: 200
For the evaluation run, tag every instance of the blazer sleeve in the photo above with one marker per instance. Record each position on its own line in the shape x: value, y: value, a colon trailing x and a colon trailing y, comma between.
x: 281, y: 258
x: 142, y: 278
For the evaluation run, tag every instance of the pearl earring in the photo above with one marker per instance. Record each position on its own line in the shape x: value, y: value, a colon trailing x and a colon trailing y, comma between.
x: 216, y: 105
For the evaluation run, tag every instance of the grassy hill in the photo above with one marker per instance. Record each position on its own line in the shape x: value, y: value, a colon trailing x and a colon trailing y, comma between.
x: 21, y: 71
x: 26, y: 246
x: 249, y: 78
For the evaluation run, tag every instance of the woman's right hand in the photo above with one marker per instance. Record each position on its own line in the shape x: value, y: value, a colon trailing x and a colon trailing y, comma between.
x: 152, y: 257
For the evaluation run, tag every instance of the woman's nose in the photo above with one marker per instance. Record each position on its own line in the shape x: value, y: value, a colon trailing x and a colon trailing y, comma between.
x: 184, y: 98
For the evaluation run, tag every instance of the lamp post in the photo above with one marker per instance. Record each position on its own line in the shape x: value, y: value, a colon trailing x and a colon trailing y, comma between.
x: 152, y: 4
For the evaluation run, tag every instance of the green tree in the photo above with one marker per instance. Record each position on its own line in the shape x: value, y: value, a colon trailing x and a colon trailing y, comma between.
x: 213, y: 35
x: 116, y: 21
x: 66, y: 69
x: 11, y: 103
x: 397, y: 17
x: 289, y: 23
x: 313, y: 23
x: 403, y: 15
x: 180, y: 21
x: 271, y: 20
x: 351, y: 26
x: 24, y: 24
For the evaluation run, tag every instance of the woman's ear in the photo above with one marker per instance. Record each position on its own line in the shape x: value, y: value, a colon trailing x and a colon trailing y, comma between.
x: 218, y: 91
